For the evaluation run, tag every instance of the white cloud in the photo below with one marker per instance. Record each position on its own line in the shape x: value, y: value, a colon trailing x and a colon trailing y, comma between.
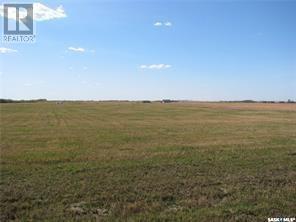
x: 43, y: 13
x: 80, y: 50
x: 158, y: 23
x: 168, y: 24
x: 7, y: 50
x: 156, y: 66
x: 40, y: 12
x: 74, y: 49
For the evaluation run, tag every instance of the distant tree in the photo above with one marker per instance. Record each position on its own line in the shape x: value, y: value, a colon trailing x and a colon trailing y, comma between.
x: 248, y: 101
x: 22, y: 101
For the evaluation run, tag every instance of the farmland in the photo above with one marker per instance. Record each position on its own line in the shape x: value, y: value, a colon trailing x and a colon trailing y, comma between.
x: 128, y: 161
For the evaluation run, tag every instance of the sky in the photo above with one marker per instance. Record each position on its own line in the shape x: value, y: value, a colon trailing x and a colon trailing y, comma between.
x: 157, y: 49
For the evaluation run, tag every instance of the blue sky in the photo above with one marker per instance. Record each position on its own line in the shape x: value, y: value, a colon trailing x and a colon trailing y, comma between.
x: 198, y: 50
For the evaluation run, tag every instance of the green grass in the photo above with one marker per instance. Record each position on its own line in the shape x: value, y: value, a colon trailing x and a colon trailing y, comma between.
x: 147, y: 162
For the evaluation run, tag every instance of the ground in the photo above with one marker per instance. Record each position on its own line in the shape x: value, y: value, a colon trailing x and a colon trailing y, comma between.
x: 83, y: 161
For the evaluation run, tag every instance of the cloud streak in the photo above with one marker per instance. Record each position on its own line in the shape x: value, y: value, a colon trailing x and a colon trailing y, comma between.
x: 76, y: 49
x: 156, y: 66
x: 41, y: 12
x: 7, y: 50
x: 159, y: 23
x: 80, y: 50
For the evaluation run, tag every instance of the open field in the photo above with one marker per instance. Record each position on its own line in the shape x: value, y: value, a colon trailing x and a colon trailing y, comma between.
x: 147, y: 162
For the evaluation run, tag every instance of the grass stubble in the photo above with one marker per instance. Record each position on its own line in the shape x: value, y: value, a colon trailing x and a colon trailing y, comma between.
x: 84, y: 161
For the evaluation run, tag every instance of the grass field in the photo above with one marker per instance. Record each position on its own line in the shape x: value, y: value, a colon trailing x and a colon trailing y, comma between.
x: 147, y: 162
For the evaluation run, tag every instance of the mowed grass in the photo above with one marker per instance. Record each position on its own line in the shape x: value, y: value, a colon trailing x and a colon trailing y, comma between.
x: 147, y: 162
